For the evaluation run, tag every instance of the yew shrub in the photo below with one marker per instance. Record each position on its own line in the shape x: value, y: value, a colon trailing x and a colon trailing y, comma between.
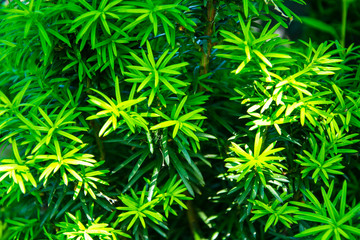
x: 174, y: 120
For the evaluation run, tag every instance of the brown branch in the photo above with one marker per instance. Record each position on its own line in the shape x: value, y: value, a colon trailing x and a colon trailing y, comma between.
x: 99, y: 141
x: 192, y: 219
x: 209, y: 30
x: 204, y: 68
x: 96, y: 127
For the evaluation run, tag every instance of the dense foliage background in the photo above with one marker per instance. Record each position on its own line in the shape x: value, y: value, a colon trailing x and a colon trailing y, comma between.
x: 179, y: 119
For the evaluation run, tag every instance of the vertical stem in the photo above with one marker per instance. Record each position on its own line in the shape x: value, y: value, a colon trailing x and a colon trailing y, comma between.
x: 204, y: 68
x: 193, y: 223
x: 209, y: 30
x: 99, y: 141
x: 96, y: 128
x: 343, y: 22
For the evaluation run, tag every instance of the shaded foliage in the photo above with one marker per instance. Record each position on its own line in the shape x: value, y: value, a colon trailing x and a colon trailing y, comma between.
x: 119, y: 115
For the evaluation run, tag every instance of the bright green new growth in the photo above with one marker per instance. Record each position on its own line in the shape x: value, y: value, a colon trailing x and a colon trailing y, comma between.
x: 334, y: 221
x: 256, y: 161
x: 174, y: 120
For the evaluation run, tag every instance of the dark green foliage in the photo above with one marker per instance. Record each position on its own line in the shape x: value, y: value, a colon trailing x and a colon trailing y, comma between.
x: 175, y: 120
